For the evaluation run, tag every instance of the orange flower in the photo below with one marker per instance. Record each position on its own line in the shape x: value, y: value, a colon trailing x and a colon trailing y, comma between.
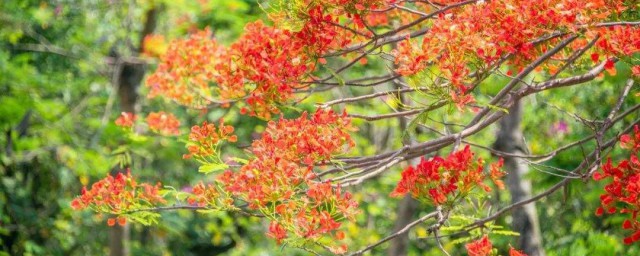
x: 622, y: 193
x: 441, y: 179
x: 111, y: 222
x: 163, y: 123
x: 514, y: 252
x: 277, y: 231
x: 481, y: 247
x: 204, y: 139
x: 281, y: 175
x: 117, y: 195
x: 122, y: 220
x: 126, y: 120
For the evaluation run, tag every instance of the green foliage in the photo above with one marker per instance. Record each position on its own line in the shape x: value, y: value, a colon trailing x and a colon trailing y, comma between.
x: 54, y: 65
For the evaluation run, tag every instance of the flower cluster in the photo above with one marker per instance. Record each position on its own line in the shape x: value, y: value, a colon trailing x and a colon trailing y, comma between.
x: 185, y: 70
x: 514, y: 252
x: 126, y: 120
x: 204, y: 139
x: 262, y: 68
x: 484, y: 247
x: 163, y: 123
x: 635, y: 70
x: 293, y: 12
x: 409, y: 58
x: 210, y: 196
x: 117, y: 195
x: 619, y: 40
x: 443, y: 180
x: 274, y: 63
x: 480, y: 247
x: 615, y: 41
x: 622, y: 194
x: 279, y: 180
x: 313, y: 215
x: 486, y: 31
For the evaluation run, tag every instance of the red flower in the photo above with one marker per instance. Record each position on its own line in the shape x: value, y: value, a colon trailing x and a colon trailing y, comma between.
x: 279, y: 180
x: 203, y: 195
x: 122, y: 220
x: 635, y: 70
x: 623, y: 191
x: 204, y: 139
x: 117, y: 195
x: 497, y: 173
x: 514, y: 252
x: 441, y: 179
x: 595, y: 57
x: 277, y: 232
x: 481, y: 247
x: 272, y: 65
x: 610, y: 67
x: 126, y: 120
x: 163, y: 123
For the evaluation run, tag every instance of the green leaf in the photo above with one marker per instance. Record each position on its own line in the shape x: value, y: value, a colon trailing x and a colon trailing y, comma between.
x: 208, y: 168
x: 421, y: 118
x: 240, y: 160
x: 208, y: 211
x: 120, y: 150
x: 461, y: 240
x: 181, y: 196
x: 138, y: 138
x: 505, y: 233
x: 452, y: 228
x: 338, y: 77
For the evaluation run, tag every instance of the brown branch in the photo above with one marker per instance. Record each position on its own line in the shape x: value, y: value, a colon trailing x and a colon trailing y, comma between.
x: 384, y: 116
x: 399, y: 232
x: 526, y: 71
x: 368, y: 96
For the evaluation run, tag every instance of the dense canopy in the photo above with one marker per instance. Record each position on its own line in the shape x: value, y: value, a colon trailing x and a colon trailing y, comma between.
x: 305, y: 127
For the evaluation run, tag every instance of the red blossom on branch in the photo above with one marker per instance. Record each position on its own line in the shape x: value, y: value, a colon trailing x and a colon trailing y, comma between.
x: 622, y: 194
x: 267, y: 65
x: 276, y: 231
x: 484, y: 32
x: 202, y: 194
x: 279, y: 180
x: 117, y: 195
x: 126, y: 120
x: 185, y: 70
x: 204, y: 139
x: 163, y: 123
x: 441, y: 180
x: 514, y: 252
x: 274, y: 62
x: 480, y: 247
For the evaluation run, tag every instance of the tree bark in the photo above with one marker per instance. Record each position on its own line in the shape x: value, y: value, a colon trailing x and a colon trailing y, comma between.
x: 408, y: 206
x: 127, y: 81
x: 525, y: 219
x: 399, y: 245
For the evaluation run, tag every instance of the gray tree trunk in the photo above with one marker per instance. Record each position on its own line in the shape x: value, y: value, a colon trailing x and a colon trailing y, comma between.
x: 406, y: 209
x: 128, y: 80
x: 525, y: 219
x: 408, y: 206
